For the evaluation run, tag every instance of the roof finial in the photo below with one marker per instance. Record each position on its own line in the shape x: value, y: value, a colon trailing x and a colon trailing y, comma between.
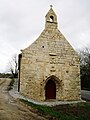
x: 51, y: 6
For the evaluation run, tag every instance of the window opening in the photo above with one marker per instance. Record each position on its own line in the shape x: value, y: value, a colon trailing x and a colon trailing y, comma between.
x: 51, y: 18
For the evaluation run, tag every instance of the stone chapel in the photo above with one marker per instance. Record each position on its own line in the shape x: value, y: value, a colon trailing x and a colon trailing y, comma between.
x: 50, y: 68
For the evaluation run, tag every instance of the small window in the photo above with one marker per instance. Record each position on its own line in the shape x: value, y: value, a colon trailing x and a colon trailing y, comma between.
x: 42, y: 46
x: 51, y: 18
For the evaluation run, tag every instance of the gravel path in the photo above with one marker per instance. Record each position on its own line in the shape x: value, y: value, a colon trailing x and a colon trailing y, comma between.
x: 11, y: 109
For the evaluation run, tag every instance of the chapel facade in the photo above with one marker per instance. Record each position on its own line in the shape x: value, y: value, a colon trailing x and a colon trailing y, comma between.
x: 50, y: 68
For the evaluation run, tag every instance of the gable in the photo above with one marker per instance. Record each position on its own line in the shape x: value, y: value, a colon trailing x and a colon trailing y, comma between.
x: 53, y: 42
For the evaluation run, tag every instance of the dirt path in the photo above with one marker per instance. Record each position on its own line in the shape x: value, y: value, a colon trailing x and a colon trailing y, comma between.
x: 10, y: 109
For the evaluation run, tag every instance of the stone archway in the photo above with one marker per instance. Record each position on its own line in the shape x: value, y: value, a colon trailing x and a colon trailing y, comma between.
x: 50, y: 89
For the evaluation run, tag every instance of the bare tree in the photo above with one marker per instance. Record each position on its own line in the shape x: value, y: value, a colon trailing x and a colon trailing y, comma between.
x: 85, y: 68
x: 85, y: 56
x: 13, y: 66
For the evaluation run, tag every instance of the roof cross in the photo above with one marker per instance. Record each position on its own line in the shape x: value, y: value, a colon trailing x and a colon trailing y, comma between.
x: 51, y: 6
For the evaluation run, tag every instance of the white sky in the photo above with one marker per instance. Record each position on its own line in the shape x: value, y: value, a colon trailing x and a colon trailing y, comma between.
x: 22, y: 21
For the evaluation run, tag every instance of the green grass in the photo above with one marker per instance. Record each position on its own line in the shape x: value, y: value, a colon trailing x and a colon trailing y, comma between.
x: 48, y: 111
x: 85, y: 105
x: 45, y: 110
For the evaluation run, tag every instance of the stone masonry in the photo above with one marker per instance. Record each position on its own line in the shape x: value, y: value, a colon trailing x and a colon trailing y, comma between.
x: 50, y: 64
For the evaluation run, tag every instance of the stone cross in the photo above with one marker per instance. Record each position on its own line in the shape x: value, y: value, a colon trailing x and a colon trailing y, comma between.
x: 51, y: 6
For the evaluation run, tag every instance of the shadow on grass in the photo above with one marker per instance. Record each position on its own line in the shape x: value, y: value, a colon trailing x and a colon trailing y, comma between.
x: 56, y: 114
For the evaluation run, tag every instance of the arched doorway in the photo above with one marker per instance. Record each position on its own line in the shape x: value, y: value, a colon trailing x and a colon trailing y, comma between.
x: 50, y: 90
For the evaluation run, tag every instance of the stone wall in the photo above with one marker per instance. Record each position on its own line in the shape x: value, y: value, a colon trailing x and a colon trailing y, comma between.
x: 50, y: 56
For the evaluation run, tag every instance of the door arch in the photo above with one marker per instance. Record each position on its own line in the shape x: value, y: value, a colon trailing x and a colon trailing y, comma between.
x: 50, y: 90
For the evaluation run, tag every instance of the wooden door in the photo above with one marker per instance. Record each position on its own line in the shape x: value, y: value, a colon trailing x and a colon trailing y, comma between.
x: 50, y: 90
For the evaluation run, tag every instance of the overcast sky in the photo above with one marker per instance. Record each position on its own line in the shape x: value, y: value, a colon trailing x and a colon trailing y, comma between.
x: 22, y: 21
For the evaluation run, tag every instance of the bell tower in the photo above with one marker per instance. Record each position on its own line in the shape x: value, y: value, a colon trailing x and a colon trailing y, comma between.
x: 51, y: 19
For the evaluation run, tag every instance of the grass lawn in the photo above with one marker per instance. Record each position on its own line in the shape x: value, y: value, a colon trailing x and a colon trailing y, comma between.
x: 79, y: 111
